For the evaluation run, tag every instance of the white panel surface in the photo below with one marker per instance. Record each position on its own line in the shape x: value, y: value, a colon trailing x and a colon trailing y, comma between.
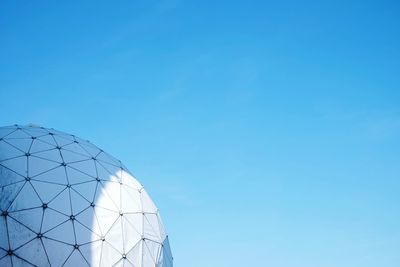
x: 65, y: 202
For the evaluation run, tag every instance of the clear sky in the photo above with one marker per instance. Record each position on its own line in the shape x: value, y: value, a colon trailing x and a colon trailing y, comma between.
x: 267, y: 132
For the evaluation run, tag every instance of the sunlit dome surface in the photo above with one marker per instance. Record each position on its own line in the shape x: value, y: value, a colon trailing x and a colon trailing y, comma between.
x: 65, y: 202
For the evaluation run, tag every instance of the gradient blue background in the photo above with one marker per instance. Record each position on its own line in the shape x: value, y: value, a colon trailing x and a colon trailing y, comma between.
x: 268, y: 132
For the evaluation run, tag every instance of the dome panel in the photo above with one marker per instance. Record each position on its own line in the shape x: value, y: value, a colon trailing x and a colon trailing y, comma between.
x: 64, y: 201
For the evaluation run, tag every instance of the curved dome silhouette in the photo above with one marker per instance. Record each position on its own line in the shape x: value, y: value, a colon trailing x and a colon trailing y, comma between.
x: 65, y: 202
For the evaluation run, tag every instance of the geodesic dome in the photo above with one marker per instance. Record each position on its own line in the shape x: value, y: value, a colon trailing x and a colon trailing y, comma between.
x: 65, y: 202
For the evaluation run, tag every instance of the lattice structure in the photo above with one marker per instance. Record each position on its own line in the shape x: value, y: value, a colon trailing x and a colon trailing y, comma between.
x: 65, y: 202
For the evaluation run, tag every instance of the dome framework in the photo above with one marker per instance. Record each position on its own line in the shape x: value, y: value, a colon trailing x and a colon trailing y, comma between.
x: 65, y: 202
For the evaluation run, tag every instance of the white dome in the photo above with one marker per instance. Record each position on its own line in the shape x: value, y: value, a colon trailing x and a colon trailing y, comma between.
x: 65, y: 202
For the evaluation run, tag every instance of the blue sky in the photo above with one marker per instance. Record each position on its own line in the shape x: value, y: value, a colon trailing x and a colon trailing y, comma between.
x: 268, y: 132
